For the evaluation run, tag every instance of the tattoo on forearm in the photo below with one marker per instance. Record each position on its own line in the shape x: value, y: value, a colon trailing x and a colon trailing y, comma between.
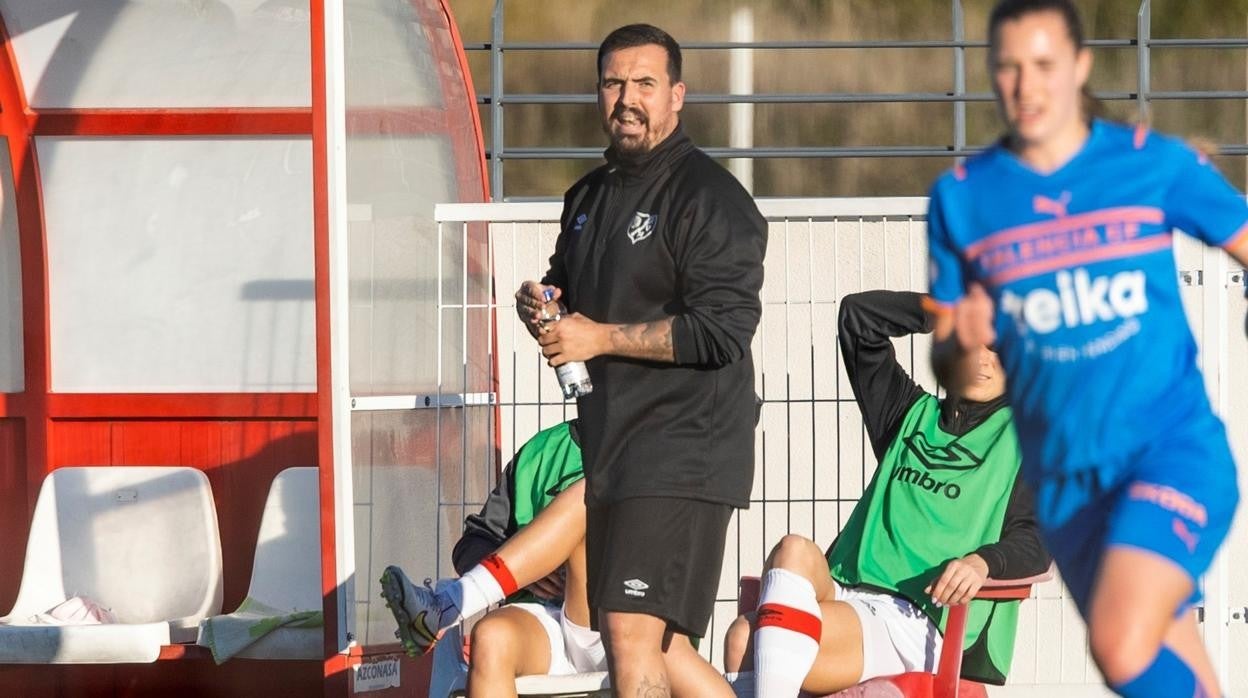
x: 647, y: 340
x: 654, y: 688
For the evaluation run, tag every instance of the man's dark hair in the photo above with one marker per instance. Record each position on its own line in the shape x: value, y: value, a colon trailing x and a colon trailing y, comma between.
x: 633, y: 35
x: 1007, y: 10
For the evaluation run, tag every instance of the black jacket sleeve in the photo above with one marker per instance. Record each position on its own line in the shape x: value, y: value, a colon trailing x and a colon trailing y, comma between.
x: 557, y: 272
x: 883, y: 389
x: 485, y: 531
x: 1019, y: 553
x: 720, y: 261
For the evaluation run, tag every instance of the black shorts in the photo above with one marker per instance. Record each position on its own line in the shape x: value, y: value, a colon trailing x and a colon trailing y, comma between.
x: 656, y: 555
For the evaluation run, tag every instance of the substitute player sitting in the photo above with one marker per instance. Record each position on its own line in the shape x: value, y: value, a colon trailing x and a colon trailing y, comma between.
x: 529, y: 536
x: 944, y: 511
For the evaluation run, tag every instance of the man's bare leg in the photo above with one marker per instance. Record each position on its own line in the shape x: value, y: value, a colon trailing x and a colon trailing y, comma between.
x: 506, y: 643
x: 634, y: 644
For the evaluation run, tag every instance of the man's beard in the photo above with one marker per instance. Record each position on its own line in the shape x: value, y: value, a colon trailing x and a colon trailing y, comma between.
x: 629, y: 145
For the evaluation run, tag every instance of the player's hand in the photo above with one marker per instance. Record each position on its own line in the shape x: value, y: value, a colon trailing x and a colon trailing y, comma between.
x: 959, y: 582
x: 573, y: 338
x: 972, y: 319
x: 551, y: 586
x: 530, y: 304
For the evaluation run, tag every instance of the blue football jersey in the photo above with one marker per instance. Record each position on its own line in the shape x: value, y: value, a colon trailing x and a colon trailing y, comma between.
x: 1080, y: 265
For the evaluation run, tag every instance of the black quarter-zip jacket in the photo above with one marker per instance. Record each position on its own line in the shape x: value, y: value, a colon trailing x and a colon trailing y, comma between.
x: 668, y: 234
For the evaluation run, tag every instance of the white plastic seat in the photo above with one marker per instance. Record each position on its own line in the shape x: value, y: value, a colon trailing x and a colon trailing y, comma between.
x: 588, y: 685
x: 283, y: 604
x: 591, y: 684
x: 139, y: 540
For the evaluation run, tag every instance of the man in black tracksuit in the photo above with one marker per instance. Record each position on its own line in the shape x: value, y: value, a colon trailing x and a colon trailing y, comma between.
x: 660, y: 261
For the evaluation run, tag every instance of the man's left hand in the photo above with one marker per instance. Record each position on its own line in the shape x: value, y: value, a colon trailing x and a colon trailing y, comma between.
x: 960, y: 581
x: 572, y: 338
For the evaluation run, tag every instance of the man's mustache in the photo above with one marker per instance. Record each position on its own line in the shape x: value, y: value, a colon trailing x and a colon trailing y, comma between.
x: 621, y: 112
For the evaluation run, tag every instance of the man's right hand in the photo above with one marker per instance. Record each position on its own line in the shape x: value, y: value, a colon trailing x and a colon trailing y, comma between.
x: 530, y: 303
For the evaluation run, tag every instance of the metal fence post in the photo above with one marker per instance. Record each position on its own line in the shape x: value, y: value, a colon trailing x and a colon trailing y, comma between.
x: 496, y: 103
x: 959, y: 78
x: 1143, y: 37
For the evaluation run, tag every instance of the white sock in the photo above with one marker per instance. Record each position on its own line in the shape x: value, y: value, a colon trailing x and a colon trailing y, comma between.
x: 786, y: 640
x: 742, y: 683
x: 475, y: 592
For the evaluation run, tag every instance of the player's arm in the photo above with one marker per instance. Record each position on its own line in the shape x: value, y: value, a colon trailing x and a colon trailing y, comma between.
x: 1238, y: 250
x: 962, y: 309
x: 1018, y: 554
x: 960, y: 330
x: 1202, y: 203
x: 866, y: 323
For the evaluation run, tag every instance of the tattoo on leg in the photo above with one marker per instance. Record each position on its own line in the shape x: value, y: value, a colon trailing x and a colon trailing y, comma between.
x: 654, y: 688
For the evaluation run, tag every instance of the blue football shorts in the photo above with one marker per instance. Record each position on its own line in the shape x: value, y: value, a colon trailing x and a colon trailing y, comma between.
x: 1176, y: 498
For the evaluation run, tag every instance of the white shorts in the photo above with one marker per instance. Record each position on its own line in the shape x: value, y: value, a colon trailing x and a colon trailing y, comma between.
x: 896, y: 636
x: 574, y: 649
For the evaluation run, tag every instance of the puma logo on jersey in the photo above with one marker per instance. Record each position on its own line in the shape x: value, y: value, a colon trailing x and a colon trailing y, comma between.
x: 1080, y: 299
x: 641, y: 227
x: 1053, y: 207
x: 1184, y: 534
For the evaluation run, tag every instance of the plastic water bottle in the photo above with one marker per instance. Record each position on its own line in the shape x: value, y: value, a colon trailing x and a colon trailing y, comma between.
x: 573, y: 376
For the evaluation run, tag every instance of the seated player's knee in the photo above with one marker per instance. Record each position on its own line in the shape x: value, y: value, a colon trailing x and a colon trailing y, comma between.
x: 494, y: 640
x: 796, y: 553
x: 737, y: 643
x: 1122, y: 650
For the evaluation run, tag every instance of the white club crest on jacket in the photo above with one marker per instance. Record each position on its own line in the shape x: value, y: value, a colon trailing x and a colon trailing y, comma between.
x: 641, y: 227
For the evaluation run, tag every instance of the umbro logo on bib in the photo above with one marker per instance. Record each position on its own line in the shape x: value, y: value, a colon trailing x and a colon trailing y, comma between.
x: 954, y: 456
x: 641, y: 227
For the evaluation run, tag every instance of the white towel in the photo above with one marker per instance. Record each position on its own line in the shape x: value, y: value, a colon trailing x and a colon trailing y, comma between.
x: 76, y: 610
x: 230, y: 634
